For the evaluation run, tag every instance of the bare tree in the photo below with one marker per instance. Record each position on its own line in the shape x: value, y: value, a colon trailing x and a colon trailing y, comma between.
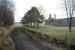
x: 6, y: 20
x: 70, y: 9
x: 6, y: 13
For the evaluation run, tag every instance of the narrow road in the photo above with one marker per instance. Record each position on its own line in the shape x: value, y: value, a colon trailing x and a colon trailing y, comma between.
x: 24, y: 42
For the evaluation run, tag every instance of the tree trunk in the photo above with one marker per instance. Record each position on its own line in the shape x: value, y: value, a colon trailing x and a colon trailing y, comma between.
x: 27, y: 24
x: 37, y: 24
x: 70, y: 25
x: 31, y: 24
x: 34, y: 25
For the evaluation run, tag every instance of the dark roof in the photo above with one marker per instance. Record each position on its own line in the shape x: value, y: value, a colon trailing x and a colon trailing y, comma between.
x: 63, y: 22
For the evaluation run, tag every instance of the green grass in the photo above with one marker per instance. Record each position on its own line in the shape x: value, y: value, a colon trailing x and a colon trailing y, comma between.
x: 57, y: 32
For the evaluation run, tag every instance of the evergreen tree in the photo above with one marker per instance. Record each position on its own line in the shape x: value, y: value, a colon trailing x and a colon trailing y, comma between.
x: 33, y: 16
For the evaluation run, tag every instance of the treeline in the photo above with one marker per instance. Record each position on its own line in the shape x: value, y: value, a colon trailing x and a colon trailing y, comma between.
x: 32, y: 18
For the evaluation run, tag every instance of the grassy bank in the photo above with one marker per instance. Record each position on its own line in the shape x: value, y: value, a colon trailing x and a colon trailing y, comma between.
x: 8, y: 43
x: 57, y: 32
x: 45, y: 43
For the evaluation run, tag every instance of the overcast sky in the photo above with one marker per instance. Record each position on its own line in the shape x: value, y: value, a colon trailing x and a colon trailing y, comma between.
x: 48, y: 6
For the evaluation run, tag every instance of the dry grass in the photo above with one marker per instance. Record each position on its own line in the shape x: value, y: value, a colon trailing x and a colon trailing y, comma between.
x: 8, y: 42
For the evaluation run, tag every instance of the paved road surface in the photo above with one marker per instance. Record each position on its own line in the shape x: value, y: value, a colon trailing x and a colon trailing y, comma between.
x: 24, y: 42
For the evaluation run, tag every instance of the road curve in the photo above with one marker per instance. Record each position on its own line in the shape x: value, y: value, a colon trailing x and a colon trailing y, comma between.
x: 24, y: 42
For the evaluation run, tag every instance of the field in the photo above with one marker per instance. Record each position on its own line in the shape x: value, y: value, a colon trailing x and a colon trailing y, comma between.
x: 58, y: 32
